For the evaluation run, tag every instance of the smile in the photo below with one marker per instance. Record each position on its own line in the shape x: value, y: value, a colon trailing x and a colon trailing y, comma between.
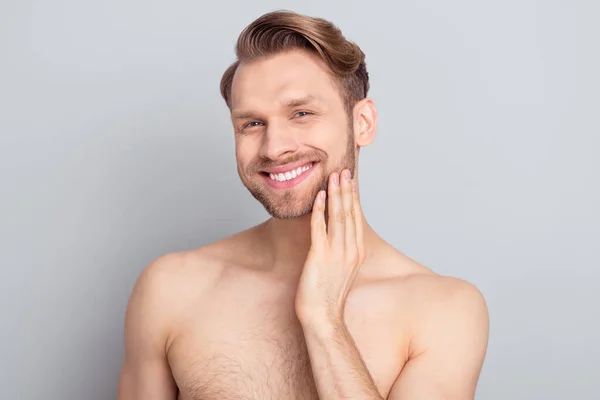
x: 289, y: 175
x: 285, y: 179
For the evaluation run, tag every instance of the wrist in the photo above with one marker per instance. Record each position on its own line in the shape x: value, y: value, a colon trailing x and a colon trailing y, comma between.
x: 322, y: 322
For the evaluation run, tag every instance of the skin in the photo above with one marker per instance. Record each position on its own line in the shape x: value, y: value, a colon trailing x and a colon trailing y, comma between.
x: 312, y: 303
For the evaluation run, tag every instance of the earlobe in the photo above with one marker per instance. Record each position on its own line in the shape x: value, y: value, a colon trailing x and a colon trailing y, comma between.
x: 366, y: 118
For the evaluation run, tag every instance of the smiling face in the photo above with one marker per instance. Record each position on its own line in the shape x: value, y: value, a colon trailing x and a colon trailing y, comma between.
x: 291, y: 131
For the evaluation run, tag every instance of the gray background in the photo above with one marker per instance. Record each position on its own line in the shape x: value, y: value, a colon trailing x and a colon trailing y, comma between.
x: 115, y: 148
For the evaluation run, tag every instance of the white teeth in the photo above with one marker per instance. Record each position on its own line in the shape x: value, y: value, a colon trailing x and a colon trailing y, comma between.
x: 290, y: 174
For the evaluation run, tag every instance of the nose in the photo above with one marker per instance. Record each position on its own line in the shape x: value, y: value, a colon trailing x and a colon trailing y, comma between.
x: 277, y: 141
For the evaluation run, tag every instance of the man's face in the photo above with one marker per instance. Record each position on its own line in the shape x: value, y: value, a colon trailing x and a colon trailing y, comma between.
x: 291, y: 131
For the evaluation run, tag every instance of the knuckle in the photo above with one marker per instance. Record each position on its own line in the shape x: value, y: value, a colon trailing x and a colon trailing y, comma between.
x: 340, y: 216
x: 350, y: 213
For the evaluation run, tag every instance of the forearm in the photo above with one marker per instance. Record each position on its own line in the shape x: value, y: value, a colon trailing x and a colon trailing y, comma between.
x: 338, y: 368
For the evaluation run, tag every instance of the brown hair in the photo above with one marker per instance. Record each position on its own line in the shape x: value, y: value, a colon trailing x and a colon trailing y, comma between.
x: 282, y: 31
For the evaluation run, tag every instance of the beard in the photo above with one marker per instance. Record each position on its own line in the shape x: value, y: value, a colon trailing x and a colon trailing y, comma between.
x: 296, y: 202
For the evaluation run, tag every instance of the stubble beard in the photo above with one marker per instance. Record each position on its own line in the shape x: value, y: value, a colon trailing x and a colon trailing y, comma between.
x: 295, y: 202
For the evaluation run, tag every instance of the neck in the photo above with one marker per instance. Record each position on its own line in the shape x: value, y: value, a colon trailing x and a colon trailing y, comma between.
x: 290, y: 241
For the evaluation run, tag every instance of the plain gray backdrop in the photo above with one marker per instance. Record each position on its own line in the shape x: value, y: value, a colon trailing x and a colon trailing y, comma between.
x: 116, y: 148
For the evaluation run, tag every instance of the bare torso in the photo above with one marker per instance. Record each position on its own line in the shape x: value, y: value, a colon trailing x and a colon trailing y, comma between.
x: 237, y: 335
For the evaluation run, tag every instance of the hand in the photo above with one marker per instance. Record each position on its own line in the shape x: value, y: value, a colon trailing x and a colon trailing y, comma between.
x: 336, y: 254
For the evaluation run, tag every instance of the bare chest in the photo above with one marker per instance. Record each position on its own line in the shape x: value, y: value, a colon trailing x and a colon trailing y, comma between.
x: 264, y: 359
x: 257, y: 351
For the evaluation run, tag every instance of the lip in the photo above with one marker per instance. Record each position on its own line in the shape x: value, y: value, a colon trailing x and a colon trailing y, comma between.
x: 292, y: 182
x: 287, y: 167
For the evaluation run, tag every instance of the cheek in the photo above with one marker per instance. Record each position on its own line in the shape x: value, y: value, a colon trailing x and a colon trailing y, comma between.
x: 244, y: 161
x: 332, y: 140
x: 327, y: 135
x: 246, y: 150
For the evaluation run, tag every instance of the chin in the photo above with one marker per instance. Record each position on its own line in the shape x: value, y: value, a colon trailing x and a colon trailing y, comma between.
x: 286, y: 207
x: 288, y: 213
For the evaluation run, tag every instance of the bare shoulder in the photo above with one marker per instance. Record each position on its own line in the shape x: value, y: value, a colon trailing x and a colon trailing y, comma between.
x: 422, y: 286
x: 430, y: 303
x: 161, y: 289
x: 169, y: 275
x: 427, y: 291
x: 447, y: 312
x: 173, y: 278
x: 447, y: 325
x: 446, y: 293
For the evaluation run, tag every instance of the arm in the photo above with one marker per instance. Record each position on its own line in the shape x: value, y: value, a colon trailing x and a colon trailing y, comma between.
x: 145, y: 373
x: 447, y: 353
x: 448, y: 358
x: 338, y: 368
x: 449, y: 342
x: 336, y: 254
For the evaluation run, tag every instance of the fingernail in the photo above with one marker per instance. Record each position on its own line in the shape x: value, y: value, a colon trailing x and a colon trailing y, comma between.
x: 346, y: 175
x: 336, y: 179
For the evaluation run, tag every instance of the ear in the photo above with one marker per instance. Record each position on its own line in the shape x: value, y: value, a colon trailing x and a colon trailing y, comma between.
x: 365, y: 122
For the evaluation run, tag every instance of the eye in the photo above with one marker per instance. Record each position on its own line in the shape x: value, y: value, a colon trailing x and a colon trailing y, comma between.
x: 302, y: 114
x: 252, y: 124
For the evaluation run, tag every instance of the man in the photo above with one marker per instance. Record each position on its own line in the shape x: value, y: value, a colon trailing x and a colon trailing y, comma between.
x: 312, y: 303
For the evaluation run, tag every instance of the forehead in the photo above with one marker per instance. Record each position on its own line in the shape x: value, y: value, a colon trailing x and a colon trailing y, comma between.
x: 271, y: 81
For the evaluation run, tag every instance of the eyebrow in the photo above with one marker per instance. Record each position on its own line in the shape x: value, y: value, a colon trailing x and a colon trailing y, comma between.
x: 300, y: 101
x: 242, y: 114
x: 289, y: 103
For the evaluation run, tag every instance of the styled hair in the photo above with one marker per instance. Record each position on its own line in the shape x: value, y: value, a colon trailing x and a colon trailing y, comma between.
x: 282, y: 31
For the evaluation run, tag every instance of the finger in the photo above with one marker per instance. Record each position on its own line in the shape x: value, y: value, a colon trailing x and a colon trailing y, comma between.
x: 336, y: 225
x: 318, y: 233
x: 348, y: 204
x: 358, y: 221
